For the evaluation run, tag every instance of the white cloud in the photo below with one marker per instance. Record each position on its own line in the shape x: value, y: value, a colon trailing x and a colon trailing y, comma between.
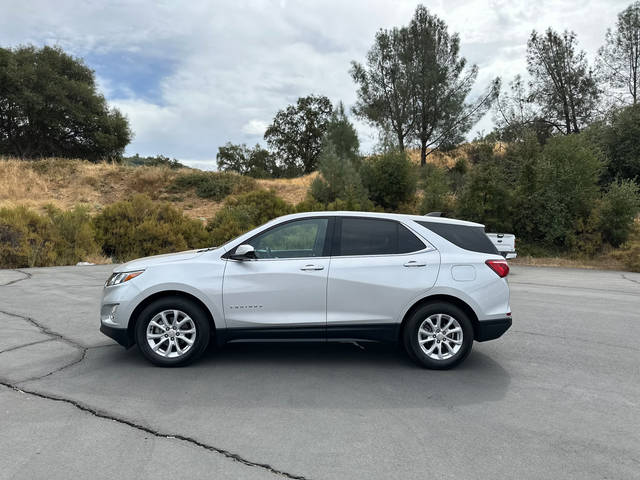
x: 234, y: 64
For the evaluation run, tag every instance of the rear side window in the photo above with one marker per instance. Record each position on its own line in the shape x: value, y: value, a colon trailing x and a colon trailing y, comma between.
x: 365, y: 236
x: 464, y: 236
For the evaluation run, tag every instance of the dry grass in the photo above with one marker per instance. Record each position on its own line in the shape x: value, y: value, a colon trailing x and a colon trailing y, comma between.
x: 65, y: 183
x: 603, y: 262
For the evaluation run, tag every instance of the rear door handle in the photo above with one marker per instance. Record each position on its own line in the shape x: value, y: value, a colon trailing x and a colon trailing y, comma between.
x: 413, y: 263
x: 312, y: 267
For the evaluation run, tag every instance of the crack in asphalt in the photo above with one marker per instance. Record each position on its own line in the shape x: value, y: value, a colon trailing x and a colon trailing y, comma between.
x: 576, y: 339
x: 630, y: 279
x: 107, y: 416
x: 27, y: 276
x: 156, y: 433
x: 18, y: 347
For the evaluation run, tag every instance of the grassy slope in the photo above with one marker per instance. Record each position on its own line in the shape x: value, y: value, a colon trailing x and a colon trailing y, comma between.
x: 65, y: 183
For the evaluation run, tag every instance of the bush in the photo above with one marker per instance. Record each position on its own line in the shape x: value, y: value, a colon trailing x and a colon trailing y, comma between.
x: 244, y: 212
x: 629, y: 254
x: 139, y: 227
x: 390, y: 179
x: 620, y: 205
x: 28, y: 239
x: 436, y: 188
x: 213, y: 185
x: 339, y: 180
x: 75, y: 239
x: 157, y: 161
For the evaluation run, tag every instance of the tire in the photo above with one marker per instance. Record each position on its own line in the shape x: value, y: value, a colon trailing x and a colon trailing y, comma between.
x: 432, y: 318
x: 177, y: 321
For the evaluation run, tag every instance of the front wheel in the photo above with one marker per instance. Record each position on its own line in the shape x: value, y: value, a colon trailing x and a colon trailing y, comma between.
x: 438, y: 336
x: 172, y: 332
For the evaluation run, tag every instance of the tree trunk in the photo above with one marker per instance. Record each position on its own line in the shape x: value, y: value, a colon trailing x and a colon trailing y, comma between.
x: 423, y: 152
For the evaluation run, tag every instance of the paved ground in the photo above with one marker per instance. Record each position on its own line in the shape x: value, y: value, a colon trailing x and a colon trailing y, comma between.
x: 557, y: 397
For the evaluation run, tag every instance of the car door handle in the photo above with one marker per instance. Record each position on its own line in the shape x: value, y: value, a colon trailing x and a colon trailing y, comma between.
x: 312, y: 267
x: 414, y: 263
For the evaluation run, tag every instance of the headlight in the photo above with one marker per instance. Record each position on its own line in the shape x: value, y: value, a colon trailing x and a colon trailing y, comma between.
x: 121, y: 277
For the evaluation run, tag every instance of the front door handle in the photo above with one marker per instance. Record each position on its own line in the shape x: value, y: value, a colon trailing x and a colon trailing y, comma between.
x: 413, y: 263
x: 312, y: 267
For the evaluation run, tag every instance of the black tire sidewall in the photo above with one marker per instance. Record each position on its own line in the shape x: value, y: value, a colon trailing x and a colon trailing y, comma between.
x: 199, y: 317
x: 411, y: 335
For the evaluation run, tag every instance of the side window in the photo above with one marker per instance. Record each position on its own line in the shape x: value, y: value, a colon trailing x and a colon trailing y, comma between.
x: 364, y: 236
x: 297, y: 239
x: 464, y: 236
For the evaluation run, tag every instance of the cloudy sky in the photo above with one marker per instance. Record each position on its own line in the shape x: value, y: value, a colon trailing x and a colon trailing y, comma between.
x: 193, y: 75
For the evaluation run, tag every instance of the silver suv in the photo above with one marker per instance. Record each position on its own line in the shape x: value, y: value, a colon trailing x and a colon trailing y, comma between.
x: 433, y: 284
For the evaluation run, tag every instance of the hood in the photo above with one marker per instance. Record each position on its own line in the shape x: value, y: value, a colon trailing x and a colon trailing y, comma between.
x: 142, y: 263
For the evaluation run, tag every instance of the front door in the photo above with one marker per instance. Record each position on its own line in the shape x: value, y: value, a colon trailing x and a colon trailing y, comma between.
x: 284, y: 288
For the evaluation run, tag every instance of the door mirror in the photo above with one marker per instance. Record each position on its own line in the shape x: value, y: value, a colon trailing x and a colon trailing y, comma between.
x: 244, y: 252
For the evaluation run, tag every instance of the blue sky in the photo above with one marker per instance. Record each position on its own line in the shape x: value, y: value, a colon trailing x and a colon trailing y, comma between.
x: 193, y: 75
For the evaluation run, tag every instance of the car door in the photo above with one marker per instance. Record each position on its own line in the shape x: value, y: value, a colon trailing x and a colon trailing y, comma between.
x: 378, y: 267
x: 282, y: 293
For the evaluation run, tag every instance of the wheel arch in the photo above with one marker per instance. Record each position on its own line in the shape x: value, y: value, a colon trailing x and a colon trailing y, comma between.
x: 133, y: 319
x: 464, y: 306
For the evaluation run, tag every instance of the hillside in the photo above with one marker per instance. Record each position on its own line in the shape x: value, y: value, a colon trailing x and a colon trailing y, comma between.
x: 65, y: 183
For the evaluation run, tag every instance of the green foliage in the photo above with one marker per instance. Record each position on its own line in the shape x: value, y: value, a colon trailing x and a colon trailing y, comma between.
x: 244, y: 212
x: 254, y: 162
x: 486, y: 198
x: 390, y: 179
x: 618, y: 138
x: 139, y: 227
x: 213, y: 185
x: 436, y: 188
x: 629, y: 255
x: 157, y: 161
x: 50, y: 107
x: 620, y: 205
x: 557, y: 191
x: 338, y: 180
x: 296, y: 134
x: 28, y: 239
x: 562, y: 85
x: 343, y: 136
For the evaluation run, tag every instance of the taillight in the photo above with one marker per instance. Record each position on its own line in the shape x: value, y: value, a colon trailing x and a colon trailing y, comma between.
x: 501, y: 267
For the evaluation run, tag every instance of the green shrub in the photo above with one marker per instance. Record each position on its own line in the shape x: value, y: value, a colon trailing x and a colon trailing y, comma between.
x: 244, y: 212
x: 27, y: 239
x: 213, y: 185
x: 629, y: 254
x: 620, y: 205
x: 157, y: 161
x: 139, y: 227
x: 436, y: 188
x: 338, y: 179
x: 390, y: 179
x: 75, y: 236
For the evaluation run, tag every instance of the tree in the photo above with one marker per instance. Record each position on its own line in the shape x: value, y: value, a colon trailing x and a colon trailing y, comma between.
x: 255, y: 162
x: 385, y: 90
x: 342, y: 135
x: 50, y: 106
x: 295, y: 136
x: 338, y: 180
x: 562, y: 84
x: 619, y: 57
x: 440, y: 83
x: 390, y: 178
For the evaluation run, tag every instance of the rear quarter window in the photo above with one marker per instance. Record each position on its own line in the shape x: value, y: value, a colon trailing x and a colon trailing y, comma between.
x: 463, y: 236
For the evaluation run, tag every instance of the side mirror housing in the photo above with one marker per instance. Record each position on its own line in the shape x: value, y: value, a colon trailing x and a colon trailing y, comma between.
x: 243, y: 252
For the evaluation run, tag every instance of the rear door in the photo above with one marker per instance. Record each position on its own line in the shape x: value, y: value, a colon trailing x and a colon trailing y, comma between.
x: 378, y: 267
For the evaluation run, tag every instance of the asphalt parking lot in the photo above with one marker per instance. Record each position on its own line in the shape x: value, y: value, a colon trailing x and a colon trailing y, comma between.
x: 557, y: 397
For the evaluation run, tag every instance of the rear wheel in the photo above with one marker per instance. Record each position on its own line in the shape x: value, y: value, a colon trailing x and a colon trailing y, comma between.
x: 438, y: 336
x: 172, y: 332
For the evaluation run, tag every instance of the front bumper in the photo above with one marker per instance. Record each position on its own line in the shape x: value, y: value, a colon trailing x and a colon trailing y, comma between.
x: 491, y: 329
x: 120, y: 335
